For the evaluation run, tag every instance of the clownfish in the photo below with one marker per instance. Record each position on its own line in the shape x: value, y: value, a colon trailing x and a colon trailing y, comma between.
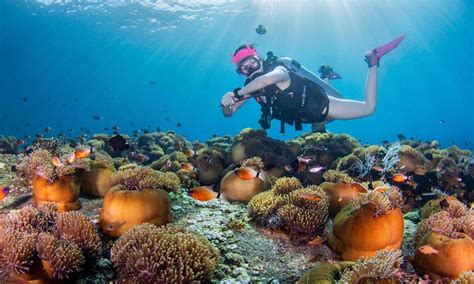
x: 57, y: 162
x: 316, y: 241
x: 3, y: 192
x: 82, y: 152
x: 311, y: 197
x: 71, y: 158
x: 399, y: 178
x: 187, y: 167
x: 202, y: 193
x: 248, y: 174
x: 428, y: 249
x: 189, y: 152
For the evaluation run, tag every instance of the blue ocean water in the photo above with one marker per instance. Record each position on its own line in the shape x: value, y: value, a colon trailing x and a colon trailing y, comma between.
x: 148, y: 64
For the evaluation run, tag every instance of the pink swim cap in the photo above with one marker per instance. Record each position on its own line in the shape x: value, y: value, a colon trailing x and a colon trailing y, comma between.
x: 243, y: 53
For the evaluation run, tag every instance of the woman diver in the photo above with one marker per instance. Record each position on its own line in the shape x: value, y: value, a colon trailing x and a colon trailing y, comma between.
x: 291, y: 96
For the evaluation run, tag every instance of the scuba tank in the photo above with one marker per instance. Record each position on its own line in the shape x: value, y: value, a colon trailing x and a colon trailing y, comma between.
x: 300, y: 70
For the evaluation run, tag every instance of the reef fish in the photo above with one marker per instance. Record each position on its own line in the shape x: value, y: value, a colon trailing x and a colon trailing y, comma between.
x: 57, y: 162
x: 316, y: 169
x: 187, y: 167
x: 71, y: 158
x: 248, y: 174
x: 428, y: 249
x: 189, y: 152
x: 316, y: 241
x: 202, y: 193
x: 399, y: 178
x: 118, y: 143
x: 311, y: 197
x: 3, y: 192
x: 82, y: 152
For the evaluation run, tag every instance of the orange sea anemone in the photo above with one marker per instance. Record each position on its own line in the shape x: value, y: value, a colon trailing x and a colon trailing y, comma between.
x: 341, y: 194
x: 370, y: 223
x: 96, y: 181
x: 236, y: 188
x: 64, y: 191
x: 135, y: 198
x: 445, y: 246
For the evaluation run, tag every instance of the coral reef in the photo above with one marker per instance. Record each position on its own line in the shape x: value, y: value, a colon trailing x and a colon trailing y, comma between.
x: 370, y: 223
x: 210, y: 165
x: 149, y: 254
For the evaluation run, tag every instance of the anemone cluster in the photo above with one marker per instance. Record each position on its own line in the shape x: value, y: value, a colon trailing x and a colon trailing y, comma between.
x: 150, y: 254
x: 40, y: 163
x: 372, y: 222
x: 138, y: 177
x: 290, y: 206
x: 449, y: 233
x: 59, y: 243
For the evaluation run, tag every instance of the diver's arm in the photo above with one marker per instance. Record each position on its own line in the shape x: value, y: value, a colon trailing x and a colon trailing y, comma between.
x: 229, y: 108
x: 279, y: 74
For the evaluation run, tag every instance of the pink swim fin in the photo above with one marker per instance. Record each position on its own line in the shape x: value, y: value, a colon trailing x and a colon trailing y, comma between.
x: 372, y: 57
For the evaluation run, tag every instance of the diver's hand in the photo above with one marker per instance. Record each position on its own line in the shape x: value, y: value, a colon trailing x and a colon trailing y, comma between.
x: 228, y: 100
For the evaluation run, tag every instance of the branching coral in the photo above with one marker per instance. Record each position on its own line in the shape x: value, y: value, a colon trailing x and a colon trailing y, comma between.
x: 77, y: 228
x: 61, y: 259
x: 391, y: 158
x: 290, y: 207
x: 385, y: 265
x: 148, y: 254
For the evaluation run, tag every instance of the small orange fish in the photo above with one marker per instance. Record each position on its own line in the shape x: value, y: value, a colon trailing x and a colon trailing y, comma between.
x: 428, y: 249
x: 189, y: 152
x: 247, y: 173
x: 71, y: 158
x: 202, y: 193
x: 311, y: 196
x: 316, y: 241
x: 188, y: 167
x: 381, y: 189
x: 3, y: 192
x: 84, y: 152
x: 399, y: 178
x: 358, y: 187
x: 57, y: 162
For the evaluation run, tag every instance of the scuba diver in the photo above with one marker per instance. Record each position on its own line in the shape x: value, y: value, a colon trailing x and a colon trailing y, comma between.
x: 288, y: 92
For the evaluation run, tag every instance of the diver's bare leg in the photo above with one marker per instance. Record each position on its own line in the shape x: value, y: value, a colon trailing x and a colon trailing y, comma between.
x: 350, y: 109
